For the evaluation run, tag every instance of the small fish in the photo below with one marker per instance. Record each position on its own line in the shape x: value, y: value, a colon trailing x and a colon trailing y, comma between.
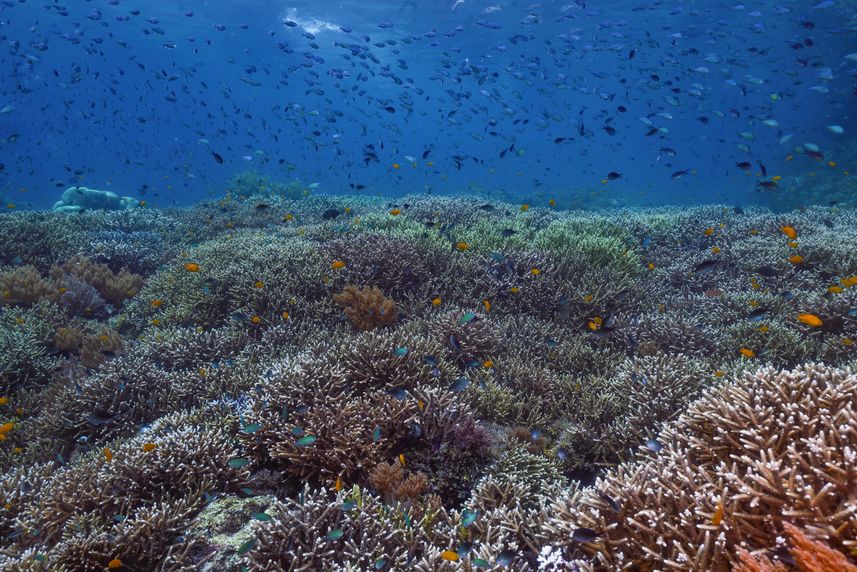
x: 246, y: 547
x: 400, y: 351
x: 468, y: 517
x: 454, y: 343
x: 398, y: 393
x: 679, y: 174
x: 330, y: 214
x: 505, y: 558
x: 459, y: 385
x: 653, y: 445
x: 306, y: 441
x: 99, y: 417
x: 757, y: 315
x: 468, y: 317
x: 810, y: 320
x: 584, y: 535
x: 238, y: 462
x: 217, y: 157
x: 449, y: 555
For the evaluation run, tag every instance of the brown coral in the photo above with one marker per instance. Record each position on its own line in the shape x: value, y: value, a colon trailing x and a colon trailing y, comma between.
x: 389, y: 480
x: 23, y: 286
x: 367, y: 307
x: 115, y: 288
x: 94, y: 350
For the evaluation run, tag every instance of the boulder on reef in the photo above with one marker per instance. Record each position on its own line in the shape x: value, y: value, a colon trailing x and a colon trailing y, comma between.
x: 78, y: 199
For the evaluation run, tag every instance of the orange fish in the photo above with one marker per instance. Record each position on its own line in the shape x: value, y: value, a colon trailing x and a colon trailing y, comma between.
x: 514, y: 289
x: 708, y: 231
x: 719, y: 512
x: 114, y: 564
x: 149, y: 447
x: 488, y: 364
x: 258, y: 284
x: 6, y: 427
x: 849, y: 281
x: 810, y: 320
x: 535, y: 271
x: 715, y: 250
x: 337, y: 486
x: 337, y: 264
x: 4, y: 400
x: 650, y: 266
x: 285, y: 315
x: 552, y: 202
x: 255, y: 320
x: 748, y: 353
x: 395, y: 212
x: 835, y: 289
x: 402, y: 459
x: 449, y: 555
x: 436, y: 301
x: 396, y: 166
x: 789, y: 231
x: 525, y: 207
x: 461, y: 246
x: 108, y: 454
x: 191, y: 267
x: 796, y: 259
x: 487, y: 304
x: 157, y: 303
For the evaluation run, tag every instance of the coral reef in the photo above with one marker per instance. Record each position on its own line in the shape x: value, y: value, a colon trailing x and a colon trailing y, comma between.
x: 277, y: 381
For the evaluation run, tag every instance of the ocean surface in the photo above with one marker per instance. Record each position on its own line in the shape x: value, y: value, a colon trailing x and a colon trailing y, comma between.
x: 521, y: 101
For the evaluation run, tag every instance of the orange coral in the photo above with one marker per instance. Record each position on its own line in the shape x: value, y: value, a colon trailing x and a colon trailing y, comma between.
x: 749, y: 563
x: 23, y: 286
x: 810, y: 555
x: 367, y: 307
x: 815, y: 556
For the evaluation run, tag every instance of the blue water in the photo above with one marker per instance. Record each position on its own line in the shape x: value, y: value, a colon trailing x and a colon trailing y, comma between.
x: 136, y: 97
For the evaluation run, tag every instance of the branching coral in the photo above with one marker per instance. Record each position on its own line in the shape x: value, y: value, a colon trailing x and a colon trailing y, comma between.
x: 367, y: 307
x: 392, y: 264
x: 771, y: 447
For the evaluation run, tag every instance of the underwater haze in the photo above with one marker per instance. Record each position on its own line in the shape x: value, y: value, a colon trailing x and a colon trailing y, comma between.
x: 435, y: 286
x: 588, y: 103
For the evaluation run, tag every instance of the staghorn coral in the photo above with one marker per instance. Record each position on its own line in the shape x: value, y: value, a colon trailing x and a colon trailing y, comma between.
x: 810, y: 555
x: 367, y: 307
x: 392, y: 264
x: 152, y: 495
x: 316, y: 532
x: 748, y: 455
